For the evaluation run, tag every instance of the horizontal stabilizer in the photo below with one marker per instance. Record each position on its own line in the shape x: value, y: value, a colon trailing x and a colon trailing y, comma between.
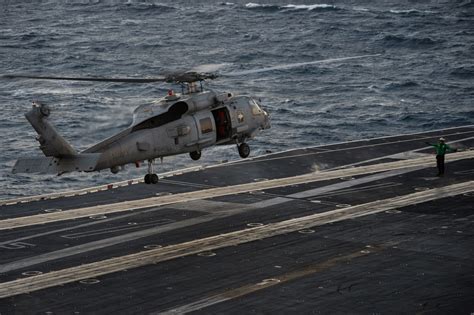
x: 53, y: 165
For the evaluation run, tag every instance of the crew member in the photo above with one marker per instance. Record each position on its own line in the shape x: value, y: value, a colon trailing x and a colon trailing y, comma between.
x: 441, y: 147
x: 221, y: 124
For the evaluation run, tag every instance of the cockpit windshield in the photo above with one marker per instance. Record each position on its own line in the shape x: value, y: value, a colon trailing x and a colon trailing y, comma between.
x: 256, y: 110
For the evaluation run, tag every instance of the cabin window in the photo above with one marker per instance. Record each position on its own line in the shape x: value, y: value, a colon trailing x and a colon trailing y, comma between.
x: 206, y: 125
x: 175, y: 112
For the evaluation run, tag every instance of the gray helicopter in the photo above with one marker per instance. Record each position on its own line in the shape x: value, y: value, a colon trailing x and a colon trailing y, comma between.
x: 177, y: 123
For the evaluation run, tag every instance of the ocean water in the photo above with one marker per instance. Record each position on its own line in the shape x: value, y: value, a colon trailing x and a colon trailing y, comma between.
x: 422, y: 80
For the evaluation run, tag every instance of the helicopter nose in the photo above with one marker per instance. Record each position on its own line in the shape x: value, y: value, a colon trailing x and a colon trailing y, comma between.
x: 266, y: 121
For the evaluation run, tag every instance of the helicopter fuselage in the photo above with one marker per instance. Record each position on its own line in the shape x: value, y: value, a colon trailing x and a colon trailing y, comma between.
x: 172, y: 125
x: 189, y: 124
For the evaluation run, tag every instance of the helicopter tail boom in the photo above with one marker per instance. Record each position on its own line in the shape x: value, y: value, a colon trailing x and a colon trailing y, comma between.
x: 51, y: 142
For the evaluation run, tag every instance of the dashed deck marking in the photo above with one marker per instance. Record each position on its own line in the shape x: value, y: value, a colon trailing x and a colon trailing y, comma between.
x: 118, y: 228
x: 140, y: 259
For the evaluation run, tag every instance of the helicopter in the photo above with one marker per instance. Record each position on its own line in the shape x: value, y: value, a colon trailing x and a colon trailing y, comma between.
x: 178, y: 123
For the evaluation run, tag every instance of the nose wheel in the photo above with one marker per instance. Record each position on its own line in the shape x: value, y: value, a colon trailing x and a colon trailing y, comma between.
x: 244, y: 150
x: 151, y: 177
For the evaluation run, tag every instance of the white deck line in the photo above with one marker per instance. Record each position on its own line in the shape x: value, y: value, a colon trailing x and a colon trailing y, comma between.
x: 44, y: 218
x: 144, y: 258
x: 82, y: 191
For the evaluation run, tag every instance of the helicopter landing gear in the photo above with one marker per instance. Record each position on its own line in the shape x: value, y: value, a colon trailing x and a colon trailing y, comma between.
x: 244, y: 150
x: 151, y: 177
x: 195, y: 155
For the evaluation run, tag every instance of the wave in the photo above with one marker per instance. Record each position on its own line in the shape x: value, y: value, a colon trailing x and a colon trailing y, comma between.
x: 360, y: 9
x: 262, y: 7
x: 399, y: 85
x: 77, y: 3
x: 252, y: 5
x: 411, y: 12
x: 408, y: 41
x: 463, y: 72
x: 291, y: 7
x: 146, y: 7
x: 466, y: 4
x: 309, y: 7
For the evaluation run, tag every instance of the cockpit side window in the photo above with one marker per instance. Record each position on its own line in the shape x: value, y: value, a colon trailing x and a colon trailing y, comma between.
x: 256, y: 110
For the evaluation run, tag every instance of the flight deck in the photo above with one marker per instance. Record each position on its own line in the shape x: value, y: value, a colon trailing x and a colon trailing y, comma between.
x: 356, y: 227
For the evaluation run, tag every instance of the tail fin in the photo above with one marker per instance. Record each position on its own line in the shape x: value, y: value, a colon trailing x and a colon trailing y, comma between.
x: 60, y: 155
x: 51, y: 142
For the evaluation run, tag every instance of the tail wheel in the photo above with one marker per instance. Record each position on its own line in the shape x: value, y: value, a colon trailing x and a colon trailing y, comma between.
x: 244, y: 150
x: 195, y: 155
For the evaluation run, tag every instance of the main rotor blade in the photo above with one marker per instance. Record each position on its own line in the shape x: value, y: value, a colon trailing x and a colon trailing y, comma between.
x: 295, y: 65
x: 209, y: 68
x: 126, y: 80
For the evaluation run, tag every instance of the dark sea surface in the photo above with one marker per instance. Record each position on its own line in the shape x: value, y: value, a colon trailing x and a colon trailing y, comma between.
x: 423, y: 80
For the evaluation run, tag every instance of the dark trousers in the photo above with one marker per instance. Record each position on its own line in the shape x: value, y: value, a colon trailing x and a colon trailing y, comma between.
x: 440, y: 164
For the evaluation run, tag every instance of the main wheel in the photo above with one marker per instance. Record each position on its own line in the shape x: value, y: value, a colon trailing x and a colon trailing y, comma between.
x: 195, y: 155
x: 154, y: 178
x: 147, y: 179
x: 244, y: 150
